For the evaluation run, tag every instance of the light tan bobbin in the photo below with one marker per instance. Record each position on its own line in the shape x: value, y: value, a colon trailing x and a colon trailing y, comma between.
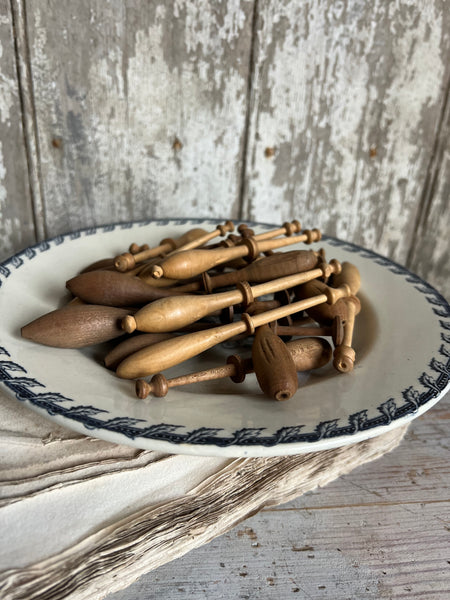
x: 171, y: 313
x: 286, y: 229
x: 191, y: 239
x: 185, y: 265
x: 171, y: 352
x: 344, y: 355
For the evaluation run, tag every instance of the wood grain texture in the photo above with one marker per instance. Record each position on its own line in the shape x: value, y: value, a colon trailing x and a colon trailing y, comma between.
x: 140, y: 108
x: 429, y: 256
x: 380, y: 532
x: 346, y: 102
x: 16, y: 216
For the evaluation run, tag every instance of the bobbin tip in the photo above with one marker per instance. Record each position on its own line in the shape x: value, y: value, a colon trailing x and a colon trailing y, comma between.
x: 134, y: 248
x: 124, y: 262
x: 142, y: 389
x: 129, y: 324
x: 157, y: 272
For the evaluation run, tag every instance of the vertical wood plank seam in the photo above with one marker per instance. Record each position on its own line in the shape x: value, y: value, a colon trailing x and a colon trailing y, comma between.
x: 250, y: 89
x: 29, y: 121
x: 432, y: 175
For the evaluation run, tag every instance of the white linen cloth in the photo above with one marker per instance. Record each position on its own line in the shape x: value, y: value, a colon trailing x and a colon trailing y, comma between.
x: 81, y: 518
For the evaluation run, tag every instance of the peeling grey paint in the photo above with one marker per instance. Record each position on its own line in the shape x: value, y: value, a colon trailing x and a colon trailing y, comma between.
x: 16, y: 219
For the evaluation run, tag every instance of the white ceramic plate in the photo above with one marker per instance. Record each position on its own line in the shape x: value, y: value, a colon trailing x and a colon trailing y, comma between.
x: 402, y: 342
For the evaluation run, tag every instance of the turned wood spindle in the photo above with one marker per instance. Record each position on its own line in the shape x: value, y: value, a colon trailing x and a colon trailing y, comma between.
x: 171, y: 352
x: 128, y: 260
x: 135, y: 248
x: 190, y: 263
x: 171, y: 313
x: 287, y: 229
x: 344, y: 355
x: 307, y: 353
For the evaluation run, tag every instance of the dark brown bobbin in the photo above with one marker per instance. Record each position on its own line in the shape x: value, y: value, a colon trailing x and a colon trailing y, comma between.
x: 240, y: 368
x: 247, y: 295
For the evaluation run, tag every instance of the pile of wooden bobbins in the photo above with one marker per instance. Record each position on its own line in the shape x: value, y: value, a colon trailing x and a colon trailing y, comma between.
x: 178, y: 299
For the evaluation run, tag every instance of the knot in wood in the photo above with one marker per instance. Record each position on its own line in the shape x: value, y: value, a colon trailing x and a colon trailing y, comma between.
x: 246, y: 291
x: 238, y: 363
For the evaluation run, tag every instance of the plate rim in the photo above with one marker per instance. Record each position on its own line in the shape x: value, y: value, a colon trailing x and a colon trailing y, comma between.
x: 245, y: 441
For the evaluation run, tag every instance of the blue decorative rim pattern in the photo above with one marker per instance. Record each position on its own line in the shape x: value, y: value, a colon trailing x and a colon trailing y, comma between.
x: 433, y: 381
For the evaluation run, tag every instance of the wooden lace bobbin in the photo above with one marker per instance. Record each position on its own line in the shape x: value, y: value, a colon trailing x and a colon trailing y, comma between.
x: 236, y: 368
x: 273, y: 364
x: 131, y: 345
x: 128, y: 260
x: 135, y: 248
x: 185, y: 265
x: 307, y: 353
x: 75, y: 327
x: 286, y: 229
x: 325, y: 314
x: 171, y: 313
x: 344, y: 355
x: 263, y: 269
x: 111, y: 288
x: 171, y: 352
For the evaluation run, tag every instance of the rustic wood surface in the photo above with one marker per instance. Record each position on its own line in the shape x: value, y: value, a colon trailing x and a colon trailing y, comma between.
x: 16, y: 212
x: 380, y: 532
x: 336, y: 113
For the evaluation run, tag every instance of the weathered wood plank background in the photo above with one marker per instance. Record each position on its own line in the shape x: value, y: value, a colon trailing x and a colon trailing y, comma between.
x: 334, y: 112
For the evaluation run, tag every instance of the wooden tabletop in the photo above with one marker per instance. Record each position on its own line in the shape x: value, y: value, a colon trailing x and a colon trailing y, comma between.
x: 381, y: 532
